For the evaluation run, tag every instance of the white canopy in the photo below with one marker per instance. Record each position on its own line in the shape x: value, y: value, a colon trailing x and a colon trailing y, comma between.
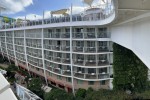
x: 61, y: 11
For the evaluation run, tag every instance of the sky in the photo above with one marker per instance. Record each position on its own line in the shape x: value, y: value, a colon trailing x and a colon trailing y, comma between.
x: 30, y: 8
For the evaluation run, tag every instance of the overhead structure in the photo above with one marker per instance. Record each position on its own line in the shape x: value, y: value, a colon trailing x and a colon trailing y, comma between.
x: 60, y: 12
x: 88, y: 2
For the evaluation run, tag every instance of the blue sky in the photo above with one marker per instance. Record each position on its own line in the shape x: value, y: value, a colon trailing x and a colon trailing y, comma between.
x: 37, y: 6
x: 30, y: 8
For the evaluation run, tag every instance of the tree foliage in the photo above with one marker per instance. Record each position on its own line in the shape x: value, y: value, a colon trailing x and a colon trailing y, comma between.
x: 129, y: 71
x: 35, y: 86
x: 81, y: 93
x: 57, y: 94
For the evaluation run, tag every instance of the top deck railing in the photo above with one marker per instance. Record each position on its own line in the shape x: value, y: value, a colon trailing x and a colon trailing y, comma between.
x: 105, y: 11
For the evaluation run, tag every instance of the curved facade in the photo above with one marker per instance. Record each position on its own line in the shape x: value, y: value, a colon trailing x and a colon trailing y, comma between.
x: 68, y: 52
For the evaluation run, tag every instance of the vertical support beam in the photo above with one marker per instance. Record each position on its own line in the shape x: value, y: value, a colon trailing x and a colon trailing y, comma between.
x: 72, y: 76
x: 25, y: 49
x: 1, y: 48
x: 6, y: 48
x: 16, y: 63
x: 42, y: 43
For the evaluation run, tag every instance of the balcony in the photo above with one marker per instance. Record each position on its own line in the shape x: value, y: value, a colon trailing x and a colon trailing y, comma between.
x: 91, y: 62
x: 57, y: 70
x: 58, y: 59
x: 66, y: 60
x: 90, y: 35
x: 91, y: 75
x: 65, y: 48
x: 67, y: 72
x: 79, y: 75
x: 57, y: 35
x: 103, y: 62
x: 34, y: 45
x: 78, y: 49
x: 77, y: 35
x: 57, y: 47
x: 103, y: 49
x: 79, y: 62
x: 49, y: 68
x: 103, y: 35
x: 90, y: 49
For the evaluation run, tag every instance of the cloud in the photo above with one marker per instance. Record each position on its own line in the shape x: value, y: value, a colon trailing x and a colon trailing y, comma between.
x: 30, y: 17
x: 75, y: 10
x: 14, y: 6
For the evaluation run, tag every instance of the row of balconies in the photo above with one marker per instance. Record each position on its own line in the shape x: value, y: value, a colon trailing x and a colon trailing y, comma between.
x: 21, y: 58
x: 78, y: 35
x: 19, y: 34
x: 80, y: 62
x: 10, y: 47
x: 39, y: 64
x: 11, y: 53
x: 36, y: 45
x: 19, y: 43
x: 94, y: 74
x: 33, y: 35
x: 39, y: 55
x: 92, y: 49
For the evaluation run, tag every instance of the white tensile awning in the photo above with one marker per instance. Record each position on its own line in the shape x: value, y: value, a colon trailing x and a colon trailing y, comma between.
x: 62, y: 11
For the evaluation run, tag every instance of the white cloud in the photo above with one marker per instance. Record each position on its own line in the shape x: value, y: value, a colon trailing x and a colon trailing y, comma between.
x: 30, y: 17
x: 75, y: 10
x: 14, y: 6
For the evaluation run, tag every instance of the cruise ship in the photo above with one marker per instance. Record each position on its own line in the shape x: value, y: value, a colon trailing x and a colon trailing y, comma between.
x: 73, y: 51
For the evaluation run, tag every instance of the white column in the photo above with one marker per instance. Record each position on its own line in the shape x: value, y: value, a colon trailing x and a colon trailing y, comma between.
x: 16, y: 63
x: 72, y: 76
x: 6, y: 48
x: 25, y: 51
x: 1, y: 47
x: 42, y: 43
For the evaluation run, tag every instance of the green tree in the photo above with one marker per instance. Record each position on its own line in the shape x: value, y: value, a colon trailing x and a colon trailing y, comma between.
x: 129, y: 71
x: 57, y: 94
x: 35, y: 86
x: 81, y: 93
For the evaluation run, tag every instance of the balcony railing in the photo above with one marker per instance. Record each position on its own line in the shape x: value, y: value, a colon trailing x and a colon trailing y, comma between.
x: 57, y: 35
x: 91, y: 75
x: 107, y: 11
x: 34, y: 45
x: 92, y: 62
x: 77, y: 35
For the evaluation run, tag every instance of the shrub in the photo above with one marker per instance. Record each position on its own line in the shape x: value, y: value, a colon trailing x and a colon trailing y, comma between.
x: 57, y: 94
x: 80, y: 93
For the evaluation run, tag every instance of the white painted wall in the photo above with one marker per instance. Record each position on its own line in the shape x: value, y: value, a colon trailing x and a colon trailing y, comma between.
x: 134, y: 35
